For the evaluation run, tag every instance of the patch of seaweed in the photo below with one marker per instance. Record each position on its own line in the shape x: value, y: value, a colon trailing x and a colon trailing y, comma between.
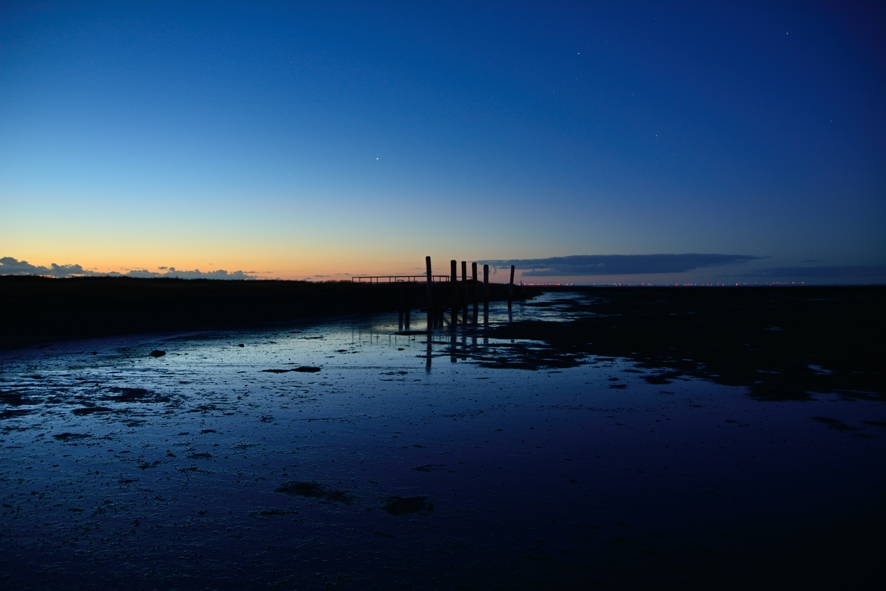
x: 135, y: 395
x: 432, y: 468
x: 13, y: 398
x: 404, y: 505
x: 71, y: 436
x: 834, y: 424
x: 88, y: 410
x: 302, y: 369
x: 273, y: 513
x: 313, y: 490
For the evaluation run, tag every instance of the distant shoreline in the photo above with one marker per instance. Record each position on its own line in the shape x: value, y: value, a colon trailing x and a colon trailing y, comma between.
x: 43, y: 309
x: 46, y: 309
x: 768, y: 338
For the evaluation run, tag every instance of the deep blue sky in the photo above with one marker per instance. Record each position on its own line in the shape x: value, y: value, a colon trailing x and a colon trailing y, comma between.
x: 310, y: 139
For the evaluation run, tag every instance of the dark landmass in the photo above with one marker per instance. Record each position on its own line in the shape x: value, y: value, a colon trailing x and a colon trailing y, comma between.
x: 784, y: 343
x: 41, y: 309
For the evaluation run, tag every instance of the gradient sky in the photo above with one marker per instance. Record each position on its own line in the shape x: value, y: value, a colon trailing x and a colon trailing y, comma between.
x: 310, y: 139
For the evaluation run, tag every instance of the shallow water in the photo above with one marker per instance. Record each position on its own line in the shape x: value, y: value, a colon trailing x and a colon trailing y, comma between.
x: 182, y: 471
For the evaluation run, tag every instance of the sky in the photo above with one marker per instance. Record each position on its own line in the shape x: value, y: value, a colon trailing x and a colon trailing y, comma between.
x: 583, y: 142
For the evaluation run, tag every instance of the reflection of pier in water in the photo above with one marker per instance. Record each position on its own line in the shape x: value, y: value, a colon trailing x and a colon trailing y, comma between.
x: 465, y: 340
x: 481, y: 339
x: 444, y: 293
x: 463, y: 334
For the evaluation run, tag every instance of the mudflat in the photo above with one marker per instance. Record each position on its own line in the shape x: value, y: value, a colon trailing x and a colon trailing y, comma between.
x: 603, y: 438
x: 775, y: 340
x: 46, y: 309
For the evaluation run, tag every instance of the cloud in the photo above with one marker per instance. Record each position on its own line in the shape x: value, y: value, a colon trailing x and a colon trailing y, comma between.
x: 824, y: 272
x: 197, y: 274
x: 619, y: 264
x: 11, y: 266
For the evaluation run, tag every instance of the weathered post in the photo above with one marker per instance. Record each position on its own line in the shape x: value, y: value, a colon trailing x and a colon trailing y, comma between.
x: 476, y: 290
x: 486, y: 287
x: 454, y: 278
x: 476, y: 283
x: 511, y: 288
x: 464, y: 288
x: 400, y: 308
x: 430, y: 292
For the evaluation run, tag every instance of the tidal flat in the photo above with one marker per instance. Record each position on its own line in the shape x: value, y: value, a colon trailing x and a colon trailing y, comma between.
x: 566, y: 444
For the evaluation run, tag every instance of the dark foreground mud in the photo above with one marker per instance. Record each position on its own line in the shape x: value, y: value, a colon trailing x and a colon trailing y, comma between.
x: 43, y: 309
x: 785, y: 343
x: 563, y: 445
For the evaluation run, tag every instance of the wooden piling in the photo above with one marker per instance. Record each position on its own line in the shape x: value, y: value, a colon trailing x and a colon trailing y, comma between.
x: 464, y: 288
x: 486, y: 286
x: 454, y: 278
x: 430, y: 293
x: 400, y: 308
x: 511, y: 288
x: 430, y: 277
x: 476, y: 283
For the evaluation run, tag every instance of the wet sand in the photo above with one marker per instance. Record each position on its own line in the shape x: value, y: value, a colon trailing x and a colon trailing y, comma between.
x: 535, y: 451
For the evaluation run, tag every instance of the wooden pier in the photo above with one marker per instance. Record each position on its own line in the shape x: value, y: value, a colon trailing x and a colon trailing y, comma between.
x: 444, y: 293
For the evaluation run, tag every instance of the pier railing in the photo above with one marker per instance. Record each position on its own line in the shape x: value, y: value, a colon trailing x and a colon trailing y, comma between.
x: 399, y: 279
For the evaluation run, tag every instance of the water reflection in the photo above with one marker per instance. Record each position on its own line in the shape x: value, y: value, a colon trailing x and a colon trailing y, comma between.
x: 460, y: 334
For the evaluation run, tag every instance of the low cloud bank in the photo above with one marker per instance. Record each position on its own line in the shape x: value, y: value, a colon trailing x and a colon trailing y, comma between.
x: 620, y: 264
x: 835, y: 272
x: 11, y: 266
